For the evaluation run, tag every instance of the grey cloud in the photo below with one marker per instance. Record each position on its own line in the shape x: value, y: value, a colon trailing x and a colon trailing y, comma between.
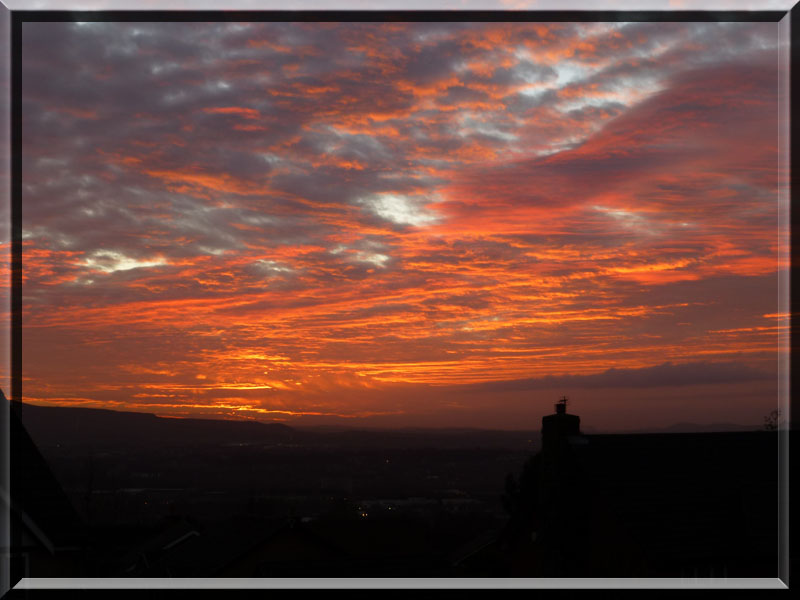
x: 461, y: 93
x: 663, y: 375
x: 108, y: 69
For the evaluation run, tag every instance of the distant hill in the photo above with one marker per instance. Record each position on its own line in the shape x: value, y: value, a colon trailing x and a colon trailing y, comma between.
x: 699, y: 428
x: 93, y: 427
x: 68, y: 426
x: 81, y: 427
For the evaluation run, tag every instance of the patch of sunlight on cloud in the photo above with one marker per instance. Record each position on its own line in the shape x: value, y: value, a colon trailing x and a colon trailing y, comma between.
x: 534, y: 90
x: 379, y: 260
x: 214, y: 251
x: 618, y: 213
x: 569, y: 72
x: 400, y: 209
x: 272, y: 266
x: 158, y: 68
x: 627, y: 92
x: 272, y: 159
x: 628, y: 219
x: 109, y: 261
x: 471, y: 124
x: 363, y: 256
x: 174, y: 97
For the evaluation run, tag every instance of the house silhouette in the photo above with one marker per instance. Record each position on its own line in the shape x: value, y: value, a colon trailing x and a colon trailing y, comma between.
x: 672, y: 505
x: 47, y: 536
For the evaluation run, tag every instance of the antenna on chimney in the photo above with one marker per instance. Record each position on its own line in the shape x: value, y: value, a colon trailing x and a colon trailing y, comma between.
x: 561, y: 405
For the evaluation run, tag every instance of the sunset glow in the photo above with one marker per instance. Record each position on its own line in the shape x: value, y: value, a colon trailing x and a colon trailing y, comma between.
x: 434, y: 224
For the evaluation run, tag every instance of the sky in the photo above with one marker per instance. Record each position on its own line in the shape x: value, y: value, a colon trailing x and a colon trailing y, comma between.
x: 405, y: 224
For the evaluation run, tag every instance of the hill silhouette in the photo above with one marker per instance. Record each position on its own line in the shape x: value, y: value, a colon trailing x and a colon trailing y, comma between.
x: 83, y: 427
x: 72, y: 426
x: 75, y: 427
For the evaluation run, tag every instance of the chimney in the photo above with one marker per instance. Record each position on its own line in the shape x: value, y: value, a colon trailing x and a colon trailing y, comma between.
x: 562, y: 489
x: 558, y: 427
x: 558, y: 431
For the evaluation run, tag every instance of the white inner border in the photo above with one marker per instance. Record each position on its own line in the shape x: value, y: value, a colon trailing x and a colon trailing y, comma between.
x: 409, y: 583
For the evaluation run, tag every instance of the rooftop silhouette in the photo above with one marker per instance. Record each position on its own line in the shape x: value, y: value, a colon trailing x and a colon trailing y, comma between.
x: 633, y: 505
x: 644, y: 505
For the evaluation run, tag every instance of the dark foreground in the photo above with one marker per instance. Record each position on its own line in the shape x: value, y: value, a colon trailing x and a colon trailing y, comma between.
x: 101, y: 494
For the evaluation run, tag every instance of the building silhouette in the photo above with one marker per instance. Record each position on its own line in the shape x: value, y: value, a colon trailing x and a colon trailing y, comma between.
x: 47, y: 536
x: 639, y: 505
x: 678, y: 505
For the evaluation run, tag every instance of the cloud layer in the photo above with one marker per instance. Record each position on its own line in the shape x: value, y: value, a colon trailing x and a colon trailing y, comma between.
x: 664, y: 375
x: 282, y: 219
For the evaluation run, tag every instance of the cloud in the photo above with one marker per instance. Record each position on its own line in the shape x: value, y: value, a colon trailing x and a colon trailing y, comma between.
x: 109, y: 262
x: 663, y: 375
x: 399, y: 209
x: 386, y: 204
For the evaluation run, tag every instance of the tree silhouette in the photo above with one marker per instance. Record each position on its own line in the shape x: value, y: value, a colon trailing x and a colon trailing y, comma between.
x: 773, y: 420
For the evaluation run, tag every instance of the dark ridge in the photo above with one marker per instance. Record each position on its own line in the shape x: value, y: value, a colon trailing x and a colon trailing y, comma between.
x: 74, y: 427
x: 699, y: 428
x: 69, y: 426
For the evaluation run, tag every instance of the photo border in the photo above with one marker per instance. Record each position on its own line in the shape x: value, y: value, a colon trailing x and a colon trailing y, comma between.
x: 10, y: 218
